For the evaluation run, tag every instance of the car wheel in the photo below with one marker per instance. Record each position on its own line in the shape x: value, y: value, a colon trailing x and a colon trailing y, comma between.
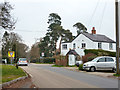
x: 92, y: 69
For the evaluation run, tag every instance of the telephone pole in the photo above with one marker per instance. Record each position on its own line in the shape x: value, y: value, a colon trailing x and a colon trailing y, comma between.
x: 117, y: 34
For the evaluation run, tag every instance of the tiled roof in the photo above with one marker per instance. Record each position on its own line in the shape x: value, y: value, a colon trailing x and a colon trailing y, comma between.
x: 98, y: 38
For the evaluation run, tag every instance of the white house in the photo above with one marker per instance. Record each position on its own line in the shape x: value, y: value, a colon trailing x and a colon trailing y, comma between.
x: 88, y: 41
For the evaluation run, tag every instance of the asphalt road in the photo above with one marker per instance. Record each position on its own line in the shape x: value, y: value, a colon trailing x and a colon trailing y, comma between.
x: 45, y: 76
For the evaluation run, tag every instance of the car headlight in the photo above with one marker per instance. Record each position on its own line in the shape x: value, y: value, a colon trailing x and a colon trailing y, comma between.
x: 87, y: 64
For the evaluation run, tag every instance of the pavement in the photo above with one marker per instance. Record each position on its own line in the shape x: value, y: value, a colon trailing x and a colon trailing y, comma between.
x: 45, y: 76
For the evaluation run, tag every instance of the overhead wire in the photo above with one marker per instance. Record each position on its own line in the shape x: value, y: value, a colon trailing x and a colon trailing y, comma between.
x: 103, y: 15
x: 93, y: 13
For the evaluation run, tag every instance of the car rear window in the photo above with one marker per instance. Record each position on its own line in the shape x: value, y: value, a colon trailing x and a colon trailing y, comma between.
x: 22, y: 59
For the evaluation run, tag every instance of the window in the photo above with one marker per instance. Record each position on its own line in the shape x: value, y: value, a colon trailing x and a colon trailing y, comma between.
x: 109, y: 60
x: 74, y: 46
x: 64, y: 46
x: 99, y: 45
x: 83, y: 45
x: 110, y: 46
x: 101, y: 60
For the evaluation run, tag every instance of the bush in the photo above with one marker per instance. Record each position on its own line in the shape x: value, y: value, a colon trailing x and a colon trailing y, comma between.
x: 81, y: 67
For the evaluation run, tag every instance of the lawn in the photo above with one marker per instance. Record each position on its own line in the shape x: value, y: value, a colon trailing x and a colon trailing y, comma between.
x: 10, y: 72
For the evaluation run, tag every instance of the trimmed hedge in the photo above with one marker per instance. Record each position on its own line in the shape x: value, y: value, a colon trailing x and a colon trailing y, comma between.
x: 46, y: 60
x: 100, y: 52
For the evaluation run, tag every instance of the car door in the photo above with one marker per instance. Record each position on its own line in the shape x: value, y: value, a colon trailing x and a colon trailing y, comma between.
x: 100, y: 65
x: 109, y: 64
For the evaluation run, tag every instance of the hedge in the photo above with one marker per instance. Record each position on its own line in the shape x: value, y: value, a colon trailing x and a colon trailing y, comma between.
x: 100, y: 52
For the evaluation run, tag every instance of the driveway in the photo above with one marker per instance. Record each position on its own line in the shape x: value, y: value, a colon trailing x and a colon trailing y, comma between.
x: 45, y: 76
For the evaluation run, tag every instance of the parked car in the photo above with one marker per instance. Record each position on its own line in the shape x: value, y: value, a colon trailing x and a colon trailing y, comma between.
x: 22, y: 61
x: 4, y: 61
x: 78, y: 63
x: 101, y: 63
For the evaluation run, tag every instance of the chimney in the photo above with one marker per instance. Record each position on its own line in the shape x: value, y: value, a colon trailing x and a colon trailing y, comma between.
x: 93, y: 30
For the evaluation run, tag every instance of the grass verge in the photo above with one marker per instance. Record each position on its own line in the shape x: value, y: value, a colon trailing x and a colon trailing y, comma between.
x: 117, y: 75
x: 58, y: 66
x: 10, y: 73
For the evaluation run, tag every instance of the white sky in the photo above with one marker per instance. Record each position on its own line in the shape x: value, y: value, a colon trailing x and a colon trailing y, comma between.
x: 33, y: 16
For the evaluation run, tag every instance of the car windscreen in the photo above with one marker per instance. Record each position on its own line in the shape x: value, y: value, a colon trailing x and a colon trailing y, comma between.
x: 94, y: 60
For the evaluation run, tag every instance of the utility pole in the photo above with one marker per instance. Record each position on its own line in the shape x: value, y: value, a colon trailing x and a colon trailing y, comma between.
x: 117, y: 34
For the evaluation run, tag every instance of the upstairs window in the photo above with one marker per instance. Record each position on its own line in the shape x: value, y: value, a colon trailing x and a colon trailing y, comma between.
x: 83, y: 45
x: 110, y: 46
x: 74, y: 46
x: 99, y: 45
x: 64, y: 46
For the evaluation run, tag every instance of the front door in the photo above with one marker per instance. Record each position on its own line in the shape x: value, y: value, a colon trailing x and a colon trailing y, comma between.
x: 71, y: 60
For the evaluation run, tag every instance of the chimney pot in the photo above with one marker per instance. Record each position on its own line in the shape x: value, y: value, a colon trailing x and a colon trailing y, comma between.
x: 93, y: 30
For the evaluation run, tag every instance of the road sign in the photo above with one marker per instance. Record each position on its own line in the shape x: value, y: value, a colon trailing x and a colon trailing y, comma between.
x: 11, y: 54
x: 42, y: 54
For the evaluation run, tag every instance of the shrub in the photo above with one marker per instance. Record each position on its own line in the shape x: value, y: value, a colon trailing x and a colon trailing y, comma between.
x: 81, y: 67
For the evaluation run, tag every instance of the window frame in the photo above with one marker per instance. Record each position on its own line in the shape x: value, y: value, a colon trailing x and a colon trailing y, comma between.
x: 74, y: 45
x: 99, y: 45
x: 64, y: 46
x: 83, y: 45
x: 110, y: 46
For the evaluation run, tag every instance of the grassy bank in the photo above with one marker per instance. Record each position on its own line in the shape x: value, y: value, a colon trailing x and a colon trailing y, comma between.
x: 10, y: 73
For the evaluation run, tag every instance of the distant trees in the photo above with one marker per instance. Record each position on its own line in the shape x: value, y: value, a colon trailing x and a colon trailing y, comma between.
x: 12, y: 41
x: 80, y: 27
x: 6, y: 20
x: 34, y: 52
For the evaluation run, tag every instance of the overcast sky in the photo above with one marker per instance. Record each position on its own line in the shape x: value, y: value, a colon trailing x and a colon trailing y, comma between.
x: 33, y: 15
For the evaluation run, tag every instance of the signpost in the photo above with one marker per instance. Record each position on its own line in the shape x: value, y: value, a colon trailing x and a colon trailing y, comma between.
x: 11, y: 54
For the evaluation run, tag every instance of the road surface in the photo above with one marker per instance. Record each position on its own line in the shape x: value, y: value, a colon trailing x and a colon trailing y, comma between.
x: 45, y: 76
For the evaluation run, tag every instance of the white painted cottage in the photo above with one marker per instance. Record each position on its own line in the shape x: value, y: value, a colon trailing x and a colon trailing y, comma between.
x: 88, y: 41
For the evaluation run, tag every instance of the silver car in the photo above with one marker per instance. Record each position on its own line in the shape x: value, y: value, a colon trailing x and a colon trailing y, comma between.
x: 101, y: 63
x: 22, y: 61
